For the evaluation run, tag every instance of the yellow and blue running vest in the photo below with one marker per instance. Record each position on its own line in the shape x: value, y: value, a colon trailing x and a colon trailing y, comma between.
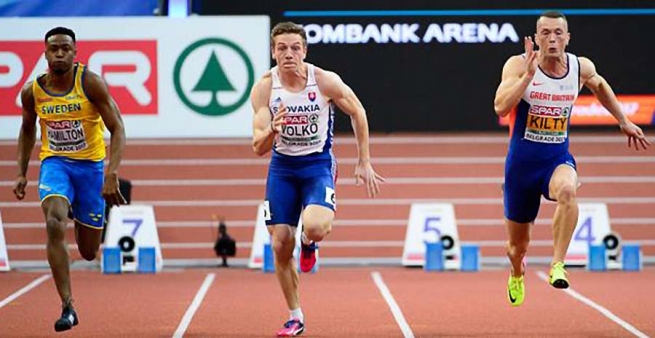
x: 71, y: 126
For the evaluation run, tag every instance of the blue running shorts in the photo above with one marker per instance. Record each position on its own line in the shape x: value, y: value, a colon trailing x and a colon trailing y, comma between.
x: 80, y: 182
x: 296, y: 182
x: 526, y: 182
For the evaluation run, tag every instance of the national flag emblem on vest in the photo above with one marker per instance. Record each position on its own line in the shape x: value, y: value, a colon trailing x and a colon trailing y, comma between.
x: 311, y: 96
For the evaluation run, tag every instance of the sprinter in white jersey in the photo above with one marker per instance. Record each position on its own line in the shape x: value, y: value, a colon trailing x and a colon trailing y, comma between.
x: 293, y: 116
x: 539, y: 89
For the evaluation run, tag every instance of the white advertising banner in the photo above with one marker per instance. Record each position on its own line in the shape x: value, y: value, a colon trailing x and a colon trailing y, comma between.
x: 171, y: 78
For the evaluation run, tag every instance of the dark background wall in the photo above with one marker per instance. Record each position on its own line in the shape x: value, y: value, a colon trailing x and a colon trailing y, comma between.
x: 450, y: 86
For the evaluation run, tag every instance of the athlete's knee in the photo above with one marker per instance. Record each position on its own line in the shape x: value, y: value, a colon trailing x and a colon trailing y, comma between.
x: 566, y: 194
x: 516, y: 249
x: 317, y: 222
x: 317, y: 231
x: 55, y: 226
x: 283, y: 247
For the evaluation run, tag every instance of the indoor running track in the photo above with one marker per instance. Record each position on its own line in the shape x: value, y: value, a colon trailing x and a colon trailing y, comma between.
x: 355, y: 302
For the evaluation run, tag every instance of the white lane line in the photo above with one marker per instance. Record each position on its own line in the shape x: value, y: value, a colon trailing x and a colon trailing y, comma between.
x: 24, y: 290
x: 607, y: 313
x: 186, y: 320
x: 393, y: 306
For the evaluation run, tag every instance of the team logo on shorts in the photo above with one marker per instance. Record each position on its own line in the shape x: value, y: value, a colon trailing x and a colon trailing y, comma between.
x: 311, y: 96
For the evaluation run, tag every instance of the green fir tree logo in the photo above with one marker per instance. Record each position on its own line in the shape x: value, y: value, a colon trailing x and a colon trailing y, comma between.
x: 213, y: 79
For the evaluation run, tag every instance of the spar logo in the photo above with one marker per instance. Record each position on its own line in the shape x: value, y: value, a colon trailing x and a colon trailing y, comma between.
x: 213, y: 76
x: 128, y: 67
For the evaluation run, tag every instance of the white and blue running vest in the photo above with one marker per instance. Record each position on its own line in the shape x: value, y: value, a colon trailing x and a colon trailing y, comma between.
x: 308, y: 127
x: 541, y: 125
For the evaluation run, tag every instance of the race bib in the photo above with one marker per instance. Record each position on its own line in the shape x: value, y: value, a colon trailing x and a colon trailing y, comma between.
x: 66, y: 136
x: 301, y: 129
x: 547, y: 124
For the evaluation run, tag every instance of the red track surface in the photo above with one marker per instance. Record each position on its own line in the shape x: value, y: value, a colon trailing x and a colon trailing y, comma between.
x: 340, y: 301
x: 336, y: 301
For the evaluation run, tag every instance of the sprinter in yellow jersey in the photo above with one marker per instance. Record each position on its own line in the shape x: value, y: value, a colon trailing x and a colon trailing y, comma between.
x: 72, y: 105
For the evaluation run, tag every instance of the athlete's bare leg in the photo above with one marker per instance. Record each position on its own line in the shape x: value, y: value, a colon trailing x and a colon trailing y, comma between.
x: 317, y: 222
x: 55, y: 209
x: 517, y: 245
x: 562, y: 188
x: 284, y: 242
x: 88, y: 240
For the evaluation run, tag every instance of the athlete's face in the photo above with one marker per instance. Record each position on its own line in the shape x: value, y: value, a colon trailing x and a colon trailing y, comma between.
x: 552, y: 36
x: 60, y: 52
x: 288, y: 51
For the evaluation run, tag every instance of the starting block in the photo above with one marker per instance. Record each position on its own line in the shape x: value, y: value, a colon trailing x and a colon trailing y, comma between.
x: 435, y: 257
x: 470, y: 257
x: 132, y: 241
x: 631, y: 257
x: 434, y: 260
x: 597, y: 258
x: 431, y: 223
x: 111, y: 260
x: 147, y: 260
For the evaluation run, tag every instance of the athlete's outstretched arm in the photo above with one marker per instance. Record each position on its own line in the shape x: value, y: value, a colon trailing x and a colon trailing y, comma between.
x: 518, y: 71
x: 26, y: 139
x: 602, y: 90
x: 264, y: 127
x: 98, y: 93
x: 343, y: 96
